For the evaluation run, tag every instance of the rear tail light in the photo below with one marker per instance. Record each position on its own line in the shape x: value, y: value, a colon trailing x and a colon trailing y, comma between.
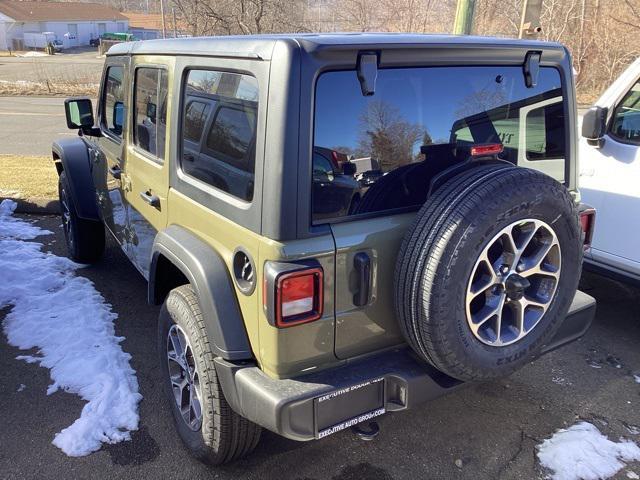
x: 486, y: 149
x: 587, y: 222
x: 335, y: 160
x: 292, y: 297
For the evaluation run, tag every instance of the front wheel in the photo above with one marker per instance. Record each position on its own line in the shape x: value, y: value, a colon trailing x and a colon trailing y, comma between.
x: 210, y: 429
x: 84, y: 238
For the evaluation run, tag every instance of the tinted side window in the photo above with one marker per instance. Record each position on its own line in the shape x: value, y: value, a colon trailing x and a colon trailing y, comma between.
x: 194, y: 118
x: 321, y: 166
x: 421, y: 121
x: 231, y: 134
x: 150, y: 110
x: 113, y: 101
x: 223, y: 107
x: 626, y: 118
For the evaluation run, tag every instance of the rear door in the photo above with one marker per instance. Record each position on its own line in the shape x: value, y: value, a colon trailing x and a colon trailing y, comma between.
x: 147, y: 171
x: 419, y: 122
x: 108, y: 156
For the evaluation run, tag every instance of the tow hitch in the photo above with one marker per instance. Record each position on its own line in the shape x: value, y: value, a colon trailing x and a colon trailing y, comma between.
x: 366, y: 432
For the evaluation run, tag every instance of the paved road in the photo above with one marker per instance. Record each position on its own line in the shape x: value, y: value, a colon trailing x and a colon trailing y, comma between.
x: 493, y: 428
x: 28, y: 125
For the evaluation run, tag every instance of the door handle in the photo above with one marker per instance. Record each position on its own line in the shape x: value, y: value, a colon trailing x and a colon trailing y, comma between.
x: 115, y: 172
x: 362, y: 264
x: 151, y: 199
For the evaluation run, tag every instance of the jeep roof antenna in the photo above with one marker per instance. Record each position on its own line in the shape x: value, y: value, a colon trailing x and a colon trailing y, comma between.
x: 531, y: 68
x: 368, y: 72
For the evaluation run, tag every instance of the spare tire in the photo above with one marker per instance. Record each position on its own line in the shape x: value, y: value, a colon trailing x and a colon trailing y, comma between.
x: 488, y: 270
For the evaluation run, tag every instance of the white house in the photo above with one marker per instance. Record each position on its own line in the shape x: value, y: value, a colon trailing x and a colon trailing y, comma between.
x: 79, y: 21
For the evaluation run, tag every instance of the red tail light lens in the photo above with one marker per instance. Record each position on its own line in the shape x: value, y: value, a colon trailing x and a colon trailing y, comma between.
x: 487, y: 149
x: 587, y: 222
x: 299, y: 297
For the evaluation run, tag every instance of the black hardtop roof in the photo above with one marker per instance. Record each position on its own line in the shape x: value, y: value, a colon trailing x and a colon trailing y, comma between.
x: 261, y: 46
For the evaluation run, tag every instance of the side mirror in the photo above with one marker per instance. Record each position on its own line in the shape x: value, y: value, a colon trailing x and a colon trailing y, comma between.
x: 79, y: 113
x: 349, y: 168
x: 594, y: 125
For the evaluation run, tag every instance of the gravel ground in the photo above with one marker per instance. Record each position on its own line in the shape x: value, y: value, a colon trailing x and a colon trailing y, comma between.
x: 483, y: 432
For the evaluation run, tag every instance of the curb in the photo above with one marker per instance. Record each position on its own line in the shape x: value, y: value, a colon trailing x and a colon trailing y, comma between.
x: 37, y: 206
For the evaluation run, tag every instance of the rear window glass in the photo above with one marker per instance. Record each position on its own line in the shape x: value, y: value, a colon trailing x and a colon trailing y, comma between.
x: 420, y: 121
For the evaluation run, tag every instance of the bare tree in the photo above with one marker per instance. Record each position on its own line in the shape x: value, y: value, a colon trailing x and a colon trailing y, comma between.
x: 387, y: 136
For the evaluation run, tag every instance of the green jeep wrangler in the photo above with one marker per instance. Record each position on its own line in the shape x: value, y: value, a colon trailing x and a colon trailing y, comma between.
x: 336, y: 226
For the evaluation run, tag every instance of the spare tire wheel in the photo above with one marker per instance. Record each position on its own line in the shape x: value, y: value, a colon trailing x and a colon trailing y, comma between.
x: 488, y: 270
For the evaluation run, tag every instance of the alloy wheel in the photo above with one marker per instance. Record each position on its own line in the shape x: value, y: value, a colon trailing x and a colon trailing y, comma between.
x: 513, y: 282
x: 184, y: 378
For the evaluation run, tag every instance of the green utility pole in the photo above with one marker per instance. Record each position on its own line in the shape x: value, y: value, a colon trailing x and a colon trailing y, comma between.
x: 464, y: 17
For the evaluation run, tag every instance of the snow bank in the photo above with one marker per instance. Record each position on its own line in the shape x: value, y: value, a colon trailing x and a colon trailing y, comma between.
x: 68, y: 321
x: 583, y: 453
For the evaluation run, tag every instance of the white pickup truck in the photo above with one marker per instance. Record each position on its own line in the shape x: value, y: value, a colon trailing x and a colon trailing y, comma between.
x: 610, y: 176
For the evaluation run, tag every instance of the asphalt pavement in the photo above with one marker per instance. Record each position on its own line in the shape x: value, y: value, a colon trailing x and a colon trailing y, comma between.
x: 28, y: 125
x: 486, y: 431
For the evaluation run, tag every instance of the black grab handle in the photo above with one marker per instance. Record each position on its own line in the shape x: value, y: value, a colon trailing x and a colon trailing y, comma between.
x: 362, y: 264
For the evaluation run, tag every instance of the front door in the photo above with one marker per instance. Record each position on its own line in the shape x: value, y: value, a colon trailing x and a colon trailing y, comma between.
x: 147, y: 157
x: 108, y: 155
x: 609, y: 181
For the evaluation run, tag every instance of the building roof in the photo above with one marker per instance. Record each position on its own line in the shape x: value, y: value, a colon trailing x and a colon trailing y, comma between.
x: 261, y: 46
x: 148, y: 21
x: 152, y: 21
x: 45, y: 11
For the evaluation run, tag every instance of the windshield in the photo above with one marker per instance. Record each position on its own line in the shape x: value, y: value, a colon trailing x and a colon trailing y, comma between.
x: 422, y: 120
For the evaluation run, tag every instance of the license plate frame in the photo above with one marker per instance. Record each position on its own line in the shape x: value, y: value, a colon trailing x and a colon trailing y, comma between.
x: 348, y: 406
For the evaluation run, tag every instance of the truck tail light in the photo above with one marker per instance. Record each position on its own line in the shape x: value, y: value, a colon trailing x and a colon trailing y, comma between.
x: 587, y: 222
x: 295, y: 296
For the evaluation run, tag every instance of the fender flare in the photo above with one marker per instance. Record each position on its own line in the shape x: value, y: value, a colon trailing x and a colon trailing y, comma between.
x: 208, y: 274
x: 74, y: 156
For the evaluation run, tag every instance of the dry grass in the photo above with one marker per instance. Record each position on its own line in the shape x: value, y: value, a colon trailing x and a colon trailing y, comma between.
x: 27, y: 177
x: 8, y: 88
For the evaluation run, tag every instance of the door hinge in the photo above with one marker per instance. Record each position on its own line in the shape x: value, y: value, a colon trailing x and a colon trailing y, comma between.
x: 126, y: 182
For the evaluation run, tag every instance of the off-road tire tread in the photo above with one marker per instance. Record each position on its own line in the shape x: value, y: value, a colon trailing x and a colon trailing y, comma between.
x: 89, y: 235
x: 421, y: 256
x: 227, y: 436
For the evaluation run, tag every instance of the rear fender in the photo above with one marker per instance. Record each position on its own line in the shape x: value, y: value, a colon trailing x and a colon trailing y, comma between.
x: 209, y: 276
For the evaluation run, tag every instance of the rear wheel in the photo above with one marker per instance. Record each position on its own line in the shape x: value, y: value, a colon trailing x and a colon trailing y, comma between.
x: 84, y: 238
x: 488, y: 271
x: 207, y: 425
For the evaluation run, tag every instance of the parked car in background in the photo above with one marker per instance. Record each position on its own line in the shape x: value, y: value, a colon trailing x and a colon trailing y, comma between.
x: 335, y: 190
x: 610, y: 175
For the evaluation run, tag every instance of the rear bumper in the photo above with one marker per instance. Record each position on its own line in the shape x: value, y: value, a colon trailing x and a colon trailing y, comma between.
x: 315, y: 405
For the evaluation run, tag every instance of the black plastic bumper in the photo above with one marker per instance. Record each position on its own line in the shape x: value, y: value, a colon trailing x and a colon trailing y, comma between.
x: 318, y: 404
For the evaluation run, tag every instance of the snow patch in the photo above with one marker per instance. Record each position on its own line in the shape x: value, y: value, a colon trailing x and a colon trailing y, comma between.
x: 581, y: 452
x: 21, y: 387
x: 32, y: 54
x: 632, y: 475
x: 636, y: 378
x: 71, y: 325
